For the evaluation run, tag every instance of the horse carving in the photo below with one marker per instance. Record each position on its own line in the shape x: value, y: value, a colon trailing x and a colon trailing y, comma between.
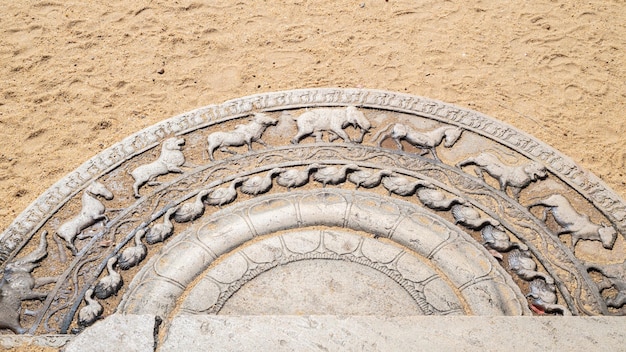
x: 333, y: 122
x: 424, y: 140
x: 17, y: 285
x: 91, y: 212
x: 242, y: 135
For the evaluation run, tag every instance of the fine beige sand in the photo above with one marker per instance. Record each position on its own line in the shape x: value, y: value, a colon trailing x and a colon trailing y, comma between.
x: 78, y: 76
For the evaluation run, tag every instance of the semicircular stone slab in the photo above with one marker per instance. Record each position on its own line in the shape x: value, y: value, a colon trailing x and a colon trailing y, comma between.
x: 403, y: 204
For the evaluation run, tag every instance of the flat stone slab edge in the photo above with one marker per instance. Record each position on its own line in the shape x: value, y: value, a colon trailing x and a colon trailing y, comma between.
x: 338, y: 333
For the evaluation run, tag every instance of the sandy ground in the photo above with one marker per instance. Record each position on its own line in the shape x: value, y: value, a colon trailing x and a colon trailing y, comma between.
x: 78, y: 76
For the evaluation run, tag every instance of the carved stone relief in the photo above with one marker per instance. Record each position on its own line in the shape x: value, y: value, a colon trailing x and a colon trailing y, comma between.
x: 459, y: 213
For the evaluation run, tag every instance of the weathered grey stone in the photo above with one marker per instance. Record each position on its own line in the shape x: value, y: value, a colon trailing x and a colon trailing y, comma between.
x: 129, y: 333
x: 373, y: 333
x: 15, y: 341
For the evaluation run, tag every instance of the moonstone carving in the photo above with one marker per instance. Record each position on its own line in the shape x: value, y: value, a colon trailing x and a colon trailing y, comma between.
x: 408, y: 217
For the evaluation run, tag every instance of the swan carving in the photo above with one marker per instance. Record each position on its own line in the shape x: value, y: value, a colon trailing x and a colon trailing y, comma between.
x: 159, y: 232
x: 402, y: 186
x: 110, y: 284
x: 225, y: 195
x: 293, y: 178
x: 368, y: 179
x: 131, y: 256
x: 258, y: 185
x: 191, y: 211
x: 435, y: 199
x: 91, y: 312
x: 470, y: 217
x: 332, y: 175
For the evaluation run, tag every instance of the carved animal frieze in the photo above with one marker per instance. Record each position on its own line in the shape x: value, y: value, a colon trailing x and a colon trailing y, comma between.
x: 426, y: 140
x: 18, y: 285
x: 615, y: 277
x: 402, y: 186
x: 293, y: 178
x: 470, y: 217
x: 521, y: 263
x: 544, y: 298
x: 170, y: 160
x: 331, y: 121
x: 92, y: 211
x: 242, y: 135
x: 515, y: 177
x: 436, y: 199
x: 332, y: 175
x: 574, y: 223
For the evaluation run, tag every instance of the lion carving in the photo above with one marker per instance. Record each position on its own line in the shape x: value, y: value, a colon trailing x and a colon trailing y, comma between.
x: 170, y: 160
x: 515, y: 177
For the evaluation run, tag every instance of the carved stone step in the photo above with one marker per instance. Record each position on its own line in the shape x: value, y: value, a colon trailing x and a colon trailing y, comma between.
x: 353, y: 333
